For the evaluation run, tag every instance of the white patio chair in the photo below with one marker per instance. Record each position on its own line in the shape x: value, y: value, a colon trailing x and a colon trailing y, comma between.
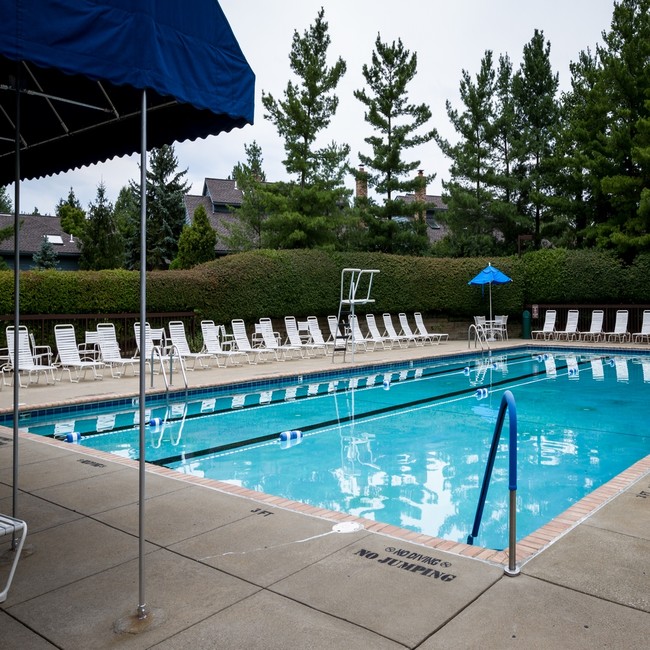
x: 315, y: 333
x: 111, y: 355
x: 357, y: 337
x: 407, y: 331
x: 26, y: 362
x: 619, y: 332
x: 68, y: 355
x: 595, y: 330
x: 308, y: 347
x: 244, y: 345
x: 212, y: 337
x: 570, y: 331
x: 644, y: 334
x: 548, y: 328
x: 154, y: 345
x: 17, y: 528
x: 435, y: 337
x: 389, y: 330
x: 179, y: 342
x: 270, y: 342
x: 375, y: 336
x: 500, y: 327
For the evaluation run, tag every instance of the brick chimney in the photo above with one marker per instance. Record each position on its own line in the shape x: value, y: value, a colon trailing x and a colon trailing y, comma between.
x: 421, y: 192
x: 362, y: 183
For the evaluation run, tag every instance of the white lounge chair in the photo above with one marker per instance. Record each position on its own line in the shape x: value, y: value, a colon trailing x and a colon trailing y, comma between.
x: 357, y: 337
x: 306, y: 347
x: 407, y: 331
x: 26, y: 362
x: 68, y: 355
x: 17, y: 528
x: 315, y: 333
x: 374, y: 335
x: 570, y: 332
x: 179, y: 341
x: 595, y: 330
x: 644, y: 334
x: 110, y: 352
x: 337, y: 339
x: 389, y: 330
x: 154, y: 348
x: 212, y: 345
x: 244, y: 345
x: 620, y: 332
x: 436, y: 337
x: 548, y: 328
x: 270, y: 342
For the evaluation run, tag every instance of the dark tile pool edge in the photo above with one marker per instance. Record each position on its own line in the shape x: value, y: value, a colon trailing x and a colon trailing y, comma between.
x: 527, y: 548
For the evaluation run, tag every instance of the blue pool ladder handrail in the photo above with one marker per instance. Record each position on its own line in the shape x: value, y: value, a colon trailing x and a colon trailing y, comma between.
x: 507, y: 404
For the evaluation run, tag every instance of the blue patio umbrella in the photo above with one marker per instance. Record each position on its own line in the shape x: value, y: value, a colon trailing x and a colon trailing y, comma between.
x: 490, y: 275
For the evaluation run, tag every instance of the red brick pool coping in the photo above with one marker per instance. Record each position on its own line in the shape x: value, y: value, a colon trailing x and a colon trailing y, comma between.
x: 527, y: 548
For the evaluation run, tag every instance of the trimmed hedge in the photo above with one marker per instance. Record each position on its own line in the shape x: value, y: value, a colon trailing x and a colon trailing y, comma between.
x: 305, y: 282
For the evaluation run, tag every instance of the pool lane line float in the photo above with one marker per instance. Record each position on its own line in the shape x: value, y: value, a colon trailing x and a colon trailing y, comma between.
x: 290, y: 438
x: 75, y: 436
x: 481, y: 393
x: 386, y: 384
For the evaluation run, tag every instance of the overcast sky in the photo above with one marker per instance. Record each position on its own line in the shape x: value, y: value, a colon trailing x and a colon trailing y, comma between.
x: 447, y: 37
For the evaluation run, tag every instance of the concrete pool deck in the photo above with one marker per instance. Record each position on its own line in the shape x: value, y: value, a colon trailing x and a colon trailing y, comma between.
x: 227, y: 568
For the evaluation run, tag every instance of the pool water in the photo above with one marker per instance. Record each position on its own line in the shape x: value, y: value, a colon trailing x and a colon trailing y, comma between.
x: 404, y: 446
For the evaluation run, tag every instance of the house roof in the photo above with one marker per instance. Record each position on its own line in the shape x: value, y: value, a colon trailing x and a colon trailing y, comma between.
x: 218, y: 220
x: 34, y: 228
x: 223, y: 191
x: 430, y: 199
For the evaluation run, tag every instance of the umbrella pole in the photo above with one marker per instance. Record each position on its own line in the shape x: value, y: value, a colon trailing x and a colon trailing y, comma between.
x: 142, y: 607
x: 16, y: 372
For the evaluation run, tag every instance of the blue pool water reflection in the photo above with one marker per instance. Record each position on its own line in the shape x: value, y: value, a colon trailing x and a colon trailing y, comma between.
x: 405, y: 446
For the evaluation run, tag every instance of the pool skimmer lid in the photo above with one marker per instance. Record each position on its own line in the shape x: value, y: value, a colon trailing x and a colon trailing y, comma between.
x: 347, y: 527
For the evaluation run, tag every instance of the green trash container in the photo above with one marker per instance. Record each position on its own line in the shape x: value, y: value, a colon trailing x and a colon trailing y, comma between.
x: 525, y: 324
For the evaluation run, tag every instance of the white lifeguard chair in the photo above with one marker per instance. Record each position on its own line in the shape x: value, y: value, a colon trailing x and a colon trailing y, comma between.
x: 356, y: 285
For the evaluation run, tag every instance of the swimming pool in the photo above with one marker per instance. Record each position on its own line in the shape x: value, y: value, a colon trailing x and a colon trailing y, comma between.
x: 402, y: 445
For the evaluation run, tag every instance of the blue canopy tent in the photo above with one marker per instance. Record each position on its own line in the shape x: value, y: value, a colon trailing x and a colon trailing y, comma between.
x: 82, y: 81
x: 490, y: 275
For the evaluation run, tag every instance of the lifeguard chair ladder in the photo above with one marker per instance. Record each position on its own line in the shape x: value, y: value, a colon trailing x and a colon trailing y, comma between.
x: 351, y: 282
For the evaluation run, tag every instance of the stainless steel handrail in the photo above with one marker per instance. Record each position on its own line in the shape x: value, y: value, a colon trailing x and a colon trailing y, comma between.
x: 480, y: 337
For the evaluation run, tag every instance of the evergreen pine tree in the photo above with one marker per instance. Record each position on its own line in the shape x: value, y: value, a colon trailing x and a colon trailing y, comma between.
x: 309, y: 105
x: 395, y: 120
x: 45, y: 258
x: 534, y: 89
x: 197, y: 242
x: 71, y: 214
x: 101, y: 244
